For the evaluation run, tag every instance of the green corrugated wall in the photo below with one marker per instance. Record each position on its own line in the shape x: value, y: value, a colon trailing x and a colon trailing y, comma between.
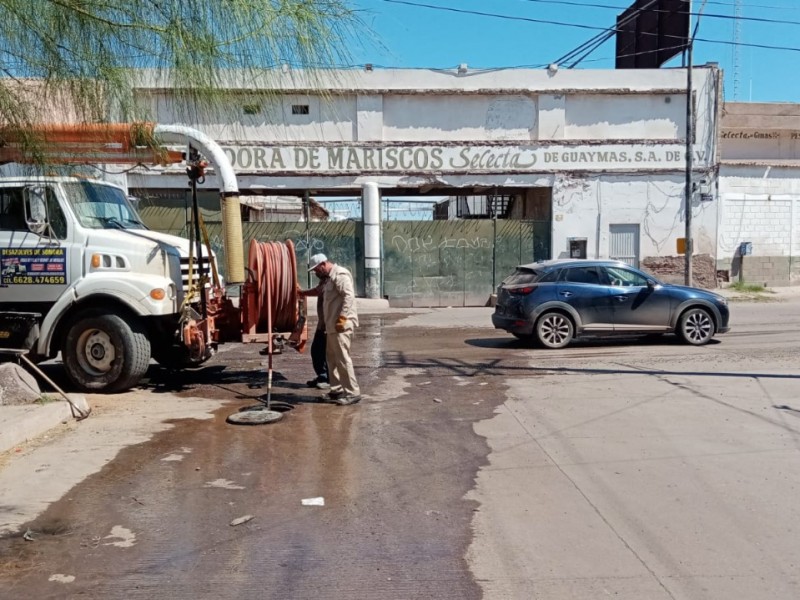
x: 425, y: 263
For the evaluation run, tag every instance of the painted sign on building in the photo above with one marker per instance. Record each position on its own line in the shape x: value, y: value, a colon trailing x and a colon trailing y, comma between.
x: 456, y: 159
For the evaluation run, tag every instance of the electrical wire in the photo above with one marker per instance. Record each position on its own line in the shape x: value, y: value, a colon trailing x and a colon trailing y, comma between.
x: 582, y: 26
x: 661, y: 10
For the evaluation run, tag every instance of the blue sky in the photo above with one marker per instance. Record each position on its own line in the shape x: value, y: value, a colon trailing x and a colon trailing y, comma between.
x: 415, y: 36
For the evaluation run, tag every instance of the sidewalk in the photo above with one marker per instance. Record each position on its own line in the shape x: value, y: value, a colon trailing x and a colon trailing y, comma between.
x: 772, y: 294
x: 20, y: 424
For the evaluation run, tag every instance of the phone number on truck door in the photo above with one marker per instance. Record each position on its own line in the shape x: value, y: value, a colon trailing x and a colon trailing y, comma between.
x: 47, y: 279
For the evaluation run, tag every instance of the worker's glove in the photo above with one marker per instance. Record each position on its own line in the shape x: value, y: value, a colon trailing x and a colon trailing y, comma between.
x: 341, y: 323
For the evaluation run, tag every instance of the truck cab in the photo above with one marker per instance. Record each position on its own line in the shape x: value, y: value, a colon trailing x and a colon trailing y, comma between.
x: 109, y: 293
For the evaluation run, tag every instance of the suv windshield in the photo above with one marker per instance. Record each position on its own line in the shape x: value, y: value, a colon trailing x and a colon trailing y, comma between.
x: 101, y: 206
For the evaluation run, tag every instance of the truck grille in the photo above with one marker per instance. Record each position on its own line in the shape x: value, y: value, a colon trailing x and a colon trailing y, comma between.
x: 195, y: 271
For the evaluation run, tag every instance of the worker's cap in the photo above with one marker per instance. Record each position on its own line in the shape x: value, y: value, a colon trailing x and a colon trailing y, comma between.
x: 317, y: 260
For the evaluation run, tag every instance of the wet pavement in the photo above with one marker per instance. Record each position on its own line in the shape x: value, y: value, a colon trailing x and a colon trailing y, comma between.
x: 393, y: 472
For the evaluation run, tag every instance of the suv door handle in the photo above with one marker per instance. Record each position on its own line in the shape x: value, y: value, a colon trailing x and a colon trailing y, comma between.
x: 621, y: 298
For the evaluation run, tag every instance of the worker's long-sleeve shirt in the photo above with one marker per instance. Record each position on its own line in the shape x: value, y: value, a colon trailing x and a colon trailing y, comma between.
x: 339, y: 299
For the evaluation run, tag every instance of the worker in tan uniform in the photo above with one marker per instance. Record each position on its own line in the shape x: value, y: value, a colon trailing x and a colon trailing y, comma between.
x: 341, y: 319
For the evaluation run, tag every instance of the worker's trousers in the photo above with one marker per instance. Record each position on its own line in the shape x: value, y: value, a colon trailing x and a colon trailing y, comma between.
x: 319, y: 355
x: 341, y: 375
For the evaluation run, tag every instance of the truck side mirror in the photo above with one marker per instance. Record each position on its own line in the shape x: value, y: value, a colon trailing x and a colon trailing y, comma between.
x: 36, y: 209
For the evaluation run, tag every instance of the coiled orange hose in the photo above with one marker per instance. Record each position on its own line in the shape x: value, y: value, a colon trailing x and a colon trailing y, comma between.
x: 274, y: 268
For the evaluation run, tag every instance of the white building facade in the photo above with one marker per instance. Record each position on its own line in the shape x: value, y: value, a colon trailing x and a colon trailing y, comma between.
x: 598, y: 154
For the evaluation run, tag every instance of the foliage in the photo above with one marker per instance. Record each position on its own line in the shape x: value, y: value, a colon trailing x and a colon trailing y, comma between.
x: 741, y: 286
x: 45, y: 399
x: 87, y: 55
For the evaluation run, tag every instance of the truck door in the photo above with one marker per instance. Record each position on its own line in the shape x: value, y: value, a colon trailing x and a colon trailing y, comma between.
x: 34, y: 248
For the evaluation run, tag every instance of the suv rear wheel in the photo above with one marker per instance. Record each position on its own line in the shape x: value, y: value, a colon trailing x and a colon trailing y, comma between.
x: 554, y: 330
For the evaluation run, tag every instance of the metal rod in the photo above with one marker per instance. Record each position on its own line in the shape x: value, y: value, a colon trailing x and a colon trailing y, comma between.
x: 269, y: 339
x: 80, y: 413
x: 199, y: 248
x: 307, y: 202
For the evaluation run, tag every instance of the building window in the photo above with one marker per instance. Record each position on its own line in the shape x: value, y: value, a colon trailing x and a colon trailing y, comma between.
x: 483, y: 207
x: 299, y: 109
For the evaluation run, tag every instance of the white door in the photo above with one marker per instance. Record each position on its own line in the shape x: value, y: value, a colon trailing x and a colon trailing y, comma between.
x: 624, y: 244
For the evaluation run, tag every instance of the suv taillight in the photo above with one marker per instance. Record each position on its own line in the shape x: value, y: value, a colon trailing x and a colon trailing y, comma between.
x: 523, y: 291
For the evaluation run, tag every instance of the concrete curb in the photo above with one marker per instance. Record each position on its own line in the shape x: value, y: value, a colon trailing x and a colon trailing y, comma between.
x: 20, y: 424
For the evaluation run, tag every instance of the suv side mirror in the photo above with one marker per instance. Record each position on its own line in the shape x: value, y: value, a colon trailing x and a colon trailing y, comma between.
x: 36, y: 209
x: 651, y: 284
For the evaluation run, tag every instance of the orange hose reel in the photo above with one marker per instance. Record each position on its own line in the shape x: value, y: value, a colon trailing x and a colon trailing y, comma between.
x: 271, y: 303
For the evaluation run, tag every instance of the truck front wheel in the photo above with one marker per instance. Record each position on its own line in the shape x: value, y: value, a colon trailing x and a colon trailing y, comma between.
x: 105, y: 353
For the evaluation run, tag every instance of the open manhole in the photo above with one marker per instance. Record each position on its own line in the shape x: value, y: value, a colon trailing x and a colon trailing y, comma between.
x: 255, y: 416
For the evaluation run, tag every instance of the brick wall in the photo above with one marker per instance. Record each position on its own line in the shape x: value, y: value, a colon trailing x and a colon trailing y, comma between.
x: 671, y: 269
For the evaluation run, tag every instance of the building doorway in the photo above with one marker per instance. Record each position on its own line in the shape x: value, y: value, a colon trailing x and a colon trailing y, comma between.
x: 624, y: 243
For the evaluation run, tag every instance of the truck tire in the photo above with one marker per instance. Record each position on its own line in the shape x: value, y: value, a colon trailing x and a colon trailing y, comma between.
x: 105, y: 353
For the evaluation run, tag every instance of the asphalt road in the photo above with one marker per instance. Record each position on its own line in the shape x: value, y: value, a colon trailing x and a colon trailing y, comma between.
x: 475, y: 467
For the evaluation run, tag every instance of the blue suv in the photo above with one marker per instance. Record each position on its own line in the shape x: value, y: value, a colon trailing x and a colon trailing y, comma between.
x: 554, y: 302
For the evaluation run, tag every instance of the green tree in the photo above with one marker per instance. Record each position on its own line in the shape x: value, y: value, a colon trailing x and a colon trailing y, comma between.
x: 88, y: 54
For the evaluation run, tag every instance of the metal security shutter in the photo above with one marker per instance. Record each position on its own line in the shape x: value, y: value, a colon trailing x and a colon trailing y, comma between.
x: 624, y: 244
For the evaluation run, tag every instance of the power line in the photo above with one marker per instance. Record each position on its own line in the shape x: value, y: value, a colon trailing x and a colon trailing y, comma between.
x: 594, y: 43
x: 661, y: 10
x: 580, y: 26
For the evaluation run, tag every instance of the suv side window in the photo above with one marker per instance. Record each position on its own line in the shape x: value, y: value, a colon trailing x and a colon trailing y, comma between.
x: 550, y: 277
x: 590, y: 275
x: 625, y: 277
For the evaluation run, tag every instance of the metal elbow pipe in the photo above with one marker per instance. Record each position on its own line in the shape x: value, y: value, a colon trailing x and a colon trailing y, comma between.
x: 229, y: 193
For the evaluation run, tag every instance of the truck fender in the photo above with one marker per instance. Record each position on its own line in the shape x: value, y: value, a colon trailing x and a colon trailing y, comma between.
x: 132, y: 291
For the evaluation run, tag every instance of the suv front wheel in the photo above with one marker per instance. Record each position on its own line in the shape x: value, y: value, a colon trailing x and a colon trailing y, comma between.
x: 696, y: 327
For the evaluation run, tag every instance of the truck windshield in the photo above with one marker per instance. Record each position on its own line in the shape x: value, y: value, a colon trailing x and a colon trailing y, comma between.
x: 101, y: 206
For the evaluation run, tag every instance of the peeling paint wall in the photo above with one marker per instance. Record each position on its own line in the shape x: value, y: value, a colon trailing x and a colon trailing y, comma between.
x: 587, y: 207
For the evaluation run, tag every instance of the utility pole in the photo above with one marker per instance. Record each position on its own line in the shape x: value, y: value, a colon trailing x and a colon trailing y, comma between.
x: 689, y: 192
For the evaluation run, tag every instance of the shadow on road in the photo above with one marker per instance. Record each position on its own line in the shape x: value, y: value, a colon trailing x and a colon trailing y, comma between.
x: 500, y: 367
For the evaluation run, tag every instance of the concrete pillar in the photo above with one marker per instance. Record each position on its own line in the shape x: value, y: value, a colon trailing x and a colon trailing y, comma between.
x: 371, y: 209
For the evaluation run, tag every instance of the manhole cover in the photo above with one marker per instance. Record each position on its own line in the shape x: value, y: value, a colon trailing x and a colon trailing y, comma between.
x: 255, y: 417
